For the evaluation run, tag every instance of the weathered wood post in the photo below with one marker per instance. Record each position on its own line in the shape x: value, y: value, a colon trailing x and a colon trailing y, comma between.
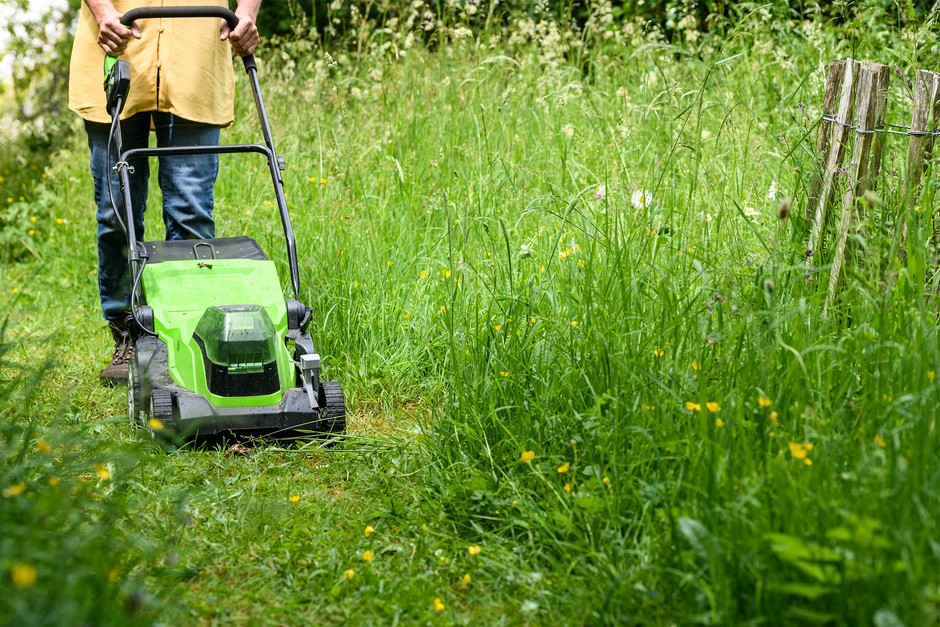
x: 920, y: 146
x: 860, y: 167
x: 831, y: 143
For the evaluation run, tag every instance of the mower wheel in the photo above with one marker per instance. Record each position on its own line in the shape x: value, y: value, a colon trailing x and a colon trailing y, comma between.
x: 161, y: 407
x: 332, y: 405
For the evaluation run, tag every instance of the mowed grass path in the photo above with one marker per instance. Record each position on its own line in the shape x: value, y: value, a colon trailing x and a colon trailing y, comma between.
x: 588, y: 380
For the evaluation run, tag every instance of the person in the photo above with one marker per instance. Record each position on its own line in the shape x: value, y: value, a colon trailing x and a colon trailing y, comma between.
x: 182, y: 87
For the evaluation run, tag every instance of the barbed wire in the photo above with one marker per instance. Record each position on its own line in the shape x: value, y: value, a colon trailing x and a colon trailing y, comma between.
x: 887, y: 129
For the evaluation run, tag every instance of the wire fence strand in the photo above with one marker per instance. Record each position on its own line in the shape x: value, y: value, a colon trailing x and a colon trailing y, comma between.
x: 888, y: 129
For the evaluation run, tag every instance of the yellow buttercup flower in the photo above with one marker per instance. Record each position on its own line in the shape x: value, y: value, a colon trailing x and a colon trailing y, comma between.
x: 713, y: 407
x: 367, y: 556
x: 349, y: 574
x: 23, y: 575
x: 473, y: 549
x: 568, y: 488
x: 763, y: 401
x: 439, y: 605
x: 295, y: 498
x: 465, y: 581
x: 563, y: 468
x: 368, y: 530
x: 800, y: 450
x: 527, y: 456
x: 14, y: 490
x: 155, y: 424
x: 689, y: 405
x: 101, y: 469
x: 43, y: 447
x: 719, y: 423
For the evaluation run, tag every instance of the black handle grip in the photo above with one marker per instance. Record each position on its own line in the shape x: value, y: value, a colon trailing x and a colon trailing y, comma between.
x: 143, y: 13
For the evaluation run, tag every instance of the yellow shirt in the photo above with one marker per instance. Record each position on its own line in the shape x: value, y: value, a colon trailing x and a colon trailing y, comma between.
x: 178, y: 66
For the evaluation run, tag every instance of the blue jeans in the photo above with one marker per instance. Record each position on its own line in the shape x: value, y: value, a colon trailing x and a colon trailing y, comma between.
x: 186, y: 183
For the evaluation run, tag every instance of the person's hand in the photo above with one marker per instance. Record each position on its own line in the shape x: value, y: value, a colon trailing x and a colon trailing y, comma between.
x: 244, y: 38
x: 113, y: 36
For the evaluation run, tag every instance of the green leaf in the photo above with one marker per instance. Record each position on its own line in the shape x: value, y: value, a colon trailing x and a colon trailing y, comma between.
x: 808, y: 591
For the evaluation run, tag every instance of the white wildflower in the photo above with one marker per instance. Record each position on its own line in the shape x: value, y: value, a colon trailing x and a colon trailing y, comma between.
x: 568, y: 131
x: 772, y: 192
x: 641, y: 199
x: 750, y: 212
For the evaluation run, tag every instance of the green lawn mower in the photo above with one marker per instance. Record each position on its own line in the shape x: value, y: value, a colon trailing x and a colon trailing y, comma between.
x: 218, y: 347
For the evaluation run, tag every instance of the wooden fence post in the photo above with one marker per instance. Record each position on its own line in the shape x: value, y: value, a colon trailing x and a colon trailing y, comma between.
x: 835, y: 136
x: 923, y: 121
x: 860, y: 167
x: 881, y: 111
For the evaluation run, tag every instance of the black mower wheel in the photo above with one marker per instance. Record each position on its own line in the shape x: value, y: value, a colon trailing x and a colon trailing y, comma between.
x: 135, y: 410
x: 332, y: 406
x: 161, y: 408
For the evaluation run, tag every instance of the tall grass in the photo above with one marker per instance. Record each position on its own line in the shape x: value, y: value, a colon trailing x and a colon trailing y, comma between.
x: 546, y: 266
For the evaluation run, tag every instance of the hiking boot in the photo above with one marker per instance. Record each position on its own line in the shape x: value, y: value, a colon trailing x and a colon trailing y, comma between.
x: 116, y: 372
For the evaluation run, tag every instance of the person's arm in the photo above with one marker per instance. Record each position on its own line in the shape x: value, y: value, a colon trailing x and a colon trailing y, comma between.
x: 245, y: 37
x: 113, y: 36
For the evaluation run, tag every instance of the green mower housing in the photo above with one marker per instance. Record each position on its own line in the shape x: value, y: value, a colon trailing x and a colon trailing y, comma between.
x: 227, y: 351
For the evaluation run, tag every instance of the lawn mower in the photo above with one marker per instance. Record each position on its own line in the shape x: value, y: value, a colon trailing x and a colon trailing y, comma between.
x: 218, y: 349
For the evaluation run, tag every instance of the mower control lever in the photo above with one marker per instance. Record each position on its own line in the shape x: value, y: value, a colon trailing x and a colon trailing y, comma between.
x: 310, y: 376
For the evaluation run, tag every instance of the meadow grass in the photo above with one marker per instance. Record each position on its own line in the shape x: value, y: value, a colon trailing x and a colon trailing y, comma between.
x: 588, y: 373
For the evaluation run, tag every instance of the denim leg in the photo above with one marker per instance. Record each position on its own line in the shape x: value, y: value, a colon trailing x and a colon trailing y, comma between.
x: 113, y: 282
x: 187, y: 181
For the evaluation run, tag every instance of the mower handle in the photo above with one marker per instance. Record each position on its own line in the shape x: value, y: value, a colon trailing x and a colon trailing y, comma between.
x: 143, y: 13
